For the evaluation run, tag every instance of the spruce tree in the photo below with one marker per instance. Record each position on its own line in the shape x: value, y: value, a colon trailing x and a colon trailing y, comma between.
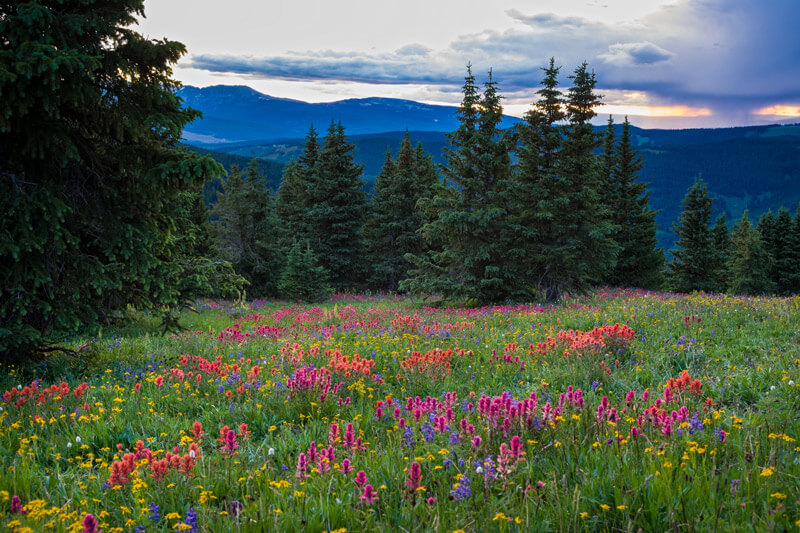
x: 472, y: 224
x: 721, y: 250
x: 246, y: 224
x: 691, y: 268
x: 781, y: 245
x: 748, y: 264
x: 395, y: 218
x: 640, y: 263
x: 536, y: 184
x: 794, y: 255
x: 303, y: 278
x: 337, y: 208
x: 89, y: 165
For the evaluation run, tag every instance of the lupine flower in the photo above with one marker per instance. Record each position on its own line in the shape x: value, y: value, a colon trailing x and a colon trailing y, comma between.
x: 191, y: 520
x: 408, y: 437
x: 461, y: 489
x: 155, y: 512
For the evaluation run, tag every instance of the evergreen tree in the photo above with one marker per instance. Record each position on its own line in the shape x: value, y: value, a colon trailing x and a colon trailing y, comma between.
x: 395, y: 218
x: 748, y: 264
x: 246, y: 222
x: 337, y: 205
x: 721, y: 250
x: 691, y: 268
x: 303, y: 278
x: 607, y: 163
x: 640, y: 262
x: 536, y: 185
x: 88, y: 166
x: 472, y: 225
x: 781, y: 245
x: 574, y: 247
x: 292, y: 205
x: 794, y: 255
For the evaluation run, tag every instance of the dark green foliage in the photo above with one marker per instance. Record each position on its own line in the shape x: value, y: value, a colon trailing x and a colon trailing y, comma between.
x: 472, y: 229
x: 246, y: 229
x: 337, y: 208
x: 640, y: 263
x: 303, y: 278
x: 721, y: 251
x: 748, y: 265
x: 391, y: 230
x: 88, y: 169
x: 294, y: 195
x: 782, y: 246
x: 565, y: 225
x: 692, y: 263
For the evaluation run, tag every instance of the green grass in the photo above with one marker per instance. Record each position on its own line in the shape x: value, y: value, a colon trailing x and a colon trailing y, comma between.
x: 576, y: 470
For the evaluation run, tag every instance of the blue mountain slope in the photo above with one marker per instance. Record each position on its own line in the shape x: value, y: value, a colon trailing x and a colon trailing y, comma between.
x: 237, y: 113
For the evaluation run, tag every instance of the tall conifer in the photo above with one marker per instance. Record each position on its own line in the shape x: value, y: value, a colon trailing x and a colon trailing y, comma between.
x: 748, y: 264
x: 640, y: 263
x: 691, y: 268
x: 337, y: 207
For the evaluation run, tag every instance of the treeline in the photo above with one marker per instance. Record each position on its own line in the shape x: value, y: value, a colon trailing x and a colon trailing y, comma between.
x: 747, y: 260
x: 516, y: 214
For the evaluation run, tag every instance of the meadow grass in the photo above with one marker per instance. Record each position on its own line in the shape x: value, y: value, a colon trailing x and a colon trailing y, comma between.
x: 382, y: 414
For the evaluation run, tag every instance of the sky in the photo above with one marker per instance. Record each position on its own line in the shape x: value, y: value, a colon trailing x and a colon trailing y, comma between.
x: 665, y: 63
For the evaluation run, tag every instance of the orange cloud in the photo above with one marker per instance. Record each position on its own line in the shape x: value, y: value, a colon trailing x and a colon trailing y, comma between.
x: 779, y: 111
x: 654, y: 111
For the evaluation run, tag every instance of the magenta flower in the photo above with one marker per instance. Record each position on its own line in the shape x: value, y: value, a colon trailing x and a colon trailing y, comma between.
x: 90, y: 524
x: 476, y: 442
x: 230, y: 442
x: 369, y: 495
x: 16, y: 505
x: 414, y: 476
x: 302, y: 466
x: 361, y: 478
x: 346, y: 466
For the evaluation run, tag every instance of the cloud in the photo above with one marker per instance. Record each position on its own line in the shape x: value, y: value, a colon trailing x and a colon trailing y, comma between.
x: 547, y: 20
x: 632, y: 54
x: 728, y: 57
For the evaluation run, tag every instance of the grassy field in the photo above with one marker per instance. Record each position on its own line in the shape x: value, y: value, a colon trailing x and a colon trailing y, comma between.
x: 618, y: 411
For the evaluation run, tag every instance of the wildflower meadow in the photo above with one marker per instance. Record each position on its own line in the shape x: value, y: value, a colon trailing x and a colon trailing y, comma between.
x: 618, y: 411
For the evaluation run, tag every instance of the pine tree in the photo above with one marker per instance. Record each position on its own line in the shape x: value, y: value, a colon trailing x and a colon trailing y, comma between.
x: 781, y: 246
x: 303, y: 278
x: 472, y: 224
x: 246, y: 222
x: 573, y: 247
x: 640, y: 262
x: 337, y: 207
x: 748, y: 264
x: 89, y: 131
x: 536, y: 183
x: 292, y: 205
x: 692, y: 258
x: 721, y: 250
x: 794, y: 254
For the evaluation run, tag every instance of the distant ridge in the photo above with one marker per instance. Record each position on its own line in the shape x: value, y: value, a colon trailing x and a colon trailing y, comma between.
x: 238, y: 113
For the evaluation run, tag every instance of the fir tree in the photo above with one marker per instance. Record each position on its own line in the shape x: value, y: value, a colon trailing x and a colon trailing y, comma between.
x: 303, y: 278
x: 721, y: 250
x: 89, y: 128
x: 391, y: 229
x: 246, y: 223
x: 640, y: 263
x: 472, y: 225
x: 691, y: 268
x: 337, y: 207
x: 783, y: 268
x: 573, y: 248
x: 748, y: 264
x: 536, y: 184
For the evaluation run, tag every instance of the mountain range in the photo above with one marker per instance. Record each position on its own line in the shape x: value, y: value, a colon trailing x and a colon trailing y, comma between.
x: 755, y: 167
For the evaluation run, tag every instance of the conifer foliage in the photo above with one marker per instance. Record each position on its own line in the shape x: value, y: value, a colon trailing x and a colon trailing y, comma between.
x: 692, y: 263
x: 337, y: 207
x: 748, y: 264
x: 88, y: 170
x: 471, y: 232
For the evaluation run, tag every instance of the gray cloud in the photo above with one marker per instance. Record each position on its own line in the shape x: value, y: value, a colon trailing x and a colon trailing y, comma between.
x: 730, y: 57
x: 547, y: 20
x: 632, y: 54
